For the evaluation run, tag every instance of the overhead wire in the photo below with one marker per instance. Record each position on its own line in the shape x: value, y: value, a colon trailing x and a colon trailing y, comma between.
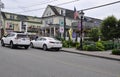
x: 44, y: 7
x: 72, y: 2
x: 40, y: 3
x: 100, y: 6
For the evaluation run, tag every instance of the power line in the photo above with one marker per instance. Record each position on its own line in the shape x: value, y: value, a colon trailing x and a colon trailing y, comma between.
x: 44, y: 7
x: 100, y: 6
x: 40, y: 3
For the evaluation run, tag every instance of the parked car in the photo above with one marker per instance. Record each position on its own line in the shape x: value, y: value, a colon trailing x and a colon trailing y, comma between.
x: 46, y: 43
x: 15, y: 39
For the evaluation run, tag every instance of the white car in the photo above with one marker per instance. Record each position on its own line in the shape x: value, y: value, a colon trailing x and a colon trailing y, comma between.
x: 46, y: 43
x: 15, y: 39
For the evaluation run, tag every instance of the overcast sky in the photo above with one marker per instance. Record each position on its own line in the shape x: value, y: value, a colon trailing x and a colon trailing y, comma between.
x: 37, y: 7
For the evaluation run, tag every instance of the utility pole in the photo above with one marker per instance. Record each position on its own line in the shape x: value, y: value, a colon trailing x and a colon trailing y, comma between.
x: 1, y: 25
x: 64, y: 25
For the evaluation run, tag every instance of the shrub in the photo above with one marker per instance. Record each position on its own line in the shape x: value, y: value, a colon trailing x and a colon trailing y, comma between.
x: 91, y: 47
x: 68, y: 43
x: 99, y: 46
x: 108, y: 45
x: 65, y: 43
x: 116, y: 51
x: 77, y: 45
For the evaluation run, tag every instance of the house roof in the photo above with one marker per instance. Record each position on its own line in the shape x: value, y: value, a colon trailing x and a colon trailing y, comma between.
x: 69, y: 13
x: 54, y: 10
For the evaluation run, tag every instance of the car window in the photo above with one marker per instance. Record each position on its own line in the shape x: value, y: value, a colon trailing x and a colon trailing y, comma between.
x: 22, y: 36
x: 10, y: 35
x: 44, y: 39
x: 39, y: 39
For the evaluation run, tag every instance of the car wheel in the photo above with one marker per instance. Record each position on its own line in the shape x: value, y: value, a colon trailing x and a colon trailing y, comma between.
x: 57, y: 49
x: 11, y: 45
x: 44, y: 47
x: 31, y: 45
x: 2, y: 43
x: 26, y: 47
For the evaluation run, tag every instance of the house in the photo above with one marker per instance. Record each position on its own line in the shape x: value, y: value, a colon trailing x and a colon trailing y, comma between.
x: 55, y: 22
x: 55, y: 17
x: 17, y: 22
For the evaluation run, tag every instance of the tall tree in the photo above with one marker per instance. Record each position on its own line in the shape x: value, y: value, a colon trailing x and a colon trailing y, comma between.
x: 108, y: 28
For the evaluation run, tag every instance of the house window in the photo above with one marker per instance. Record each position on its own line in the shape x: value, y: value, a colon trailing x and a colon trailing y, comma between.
x: 11, y: 16
x: 62, y: 12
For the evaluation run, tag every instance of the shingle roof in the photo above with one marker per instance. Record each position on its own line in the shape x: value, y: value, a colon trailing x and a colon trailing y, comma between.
x: 69, y: 13
x: 54, y: 10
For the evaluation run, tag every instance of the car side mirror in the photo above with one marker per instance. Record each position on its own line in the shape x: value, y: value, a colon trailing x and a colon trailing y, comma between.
x: 4, y: 36
x: 35, y: 39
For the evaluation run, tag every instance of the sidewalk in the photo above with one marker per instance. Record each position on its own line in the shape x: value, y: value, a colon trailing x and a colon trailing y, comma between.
x: 100, y: 54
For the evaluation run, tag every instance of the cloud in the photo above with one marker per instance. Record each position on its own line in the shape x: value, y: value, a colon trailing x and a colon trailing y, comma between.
x: 18, y: 6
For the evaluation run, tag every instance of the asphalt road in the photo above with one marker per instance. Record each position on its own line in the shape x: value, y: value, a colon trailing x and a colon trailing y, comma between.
x: 38, y: 63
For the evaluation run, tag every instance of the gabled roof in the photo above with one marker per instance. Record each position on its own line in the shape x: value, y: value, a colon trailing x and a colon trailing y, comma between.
x: 69, y: 13
x: 54, y: 10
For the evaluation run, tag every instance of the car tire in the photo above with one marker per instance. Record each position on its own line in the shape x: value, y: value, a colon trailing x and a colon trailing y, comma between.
x: 31, y: 45
x: 44, y: 47
x: 26, y: 47
x: 11, y: 45
x: 2, y: 43
x: 57, y: 49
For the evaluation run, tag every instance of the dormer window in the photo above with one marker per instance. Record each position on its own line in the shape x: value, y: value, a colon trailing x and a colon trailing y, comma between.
x: 11, y: 16
x: 62, y: 12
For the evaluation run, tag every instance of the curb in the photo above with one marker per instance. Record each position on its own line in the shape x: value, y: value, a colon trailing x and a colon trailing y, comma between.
x: 109, y: 58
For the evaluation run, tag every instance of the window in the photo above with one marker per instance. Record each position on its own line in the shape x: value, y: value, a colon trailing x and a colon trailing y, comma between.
x: 11, y: 16
x: 62, y: 12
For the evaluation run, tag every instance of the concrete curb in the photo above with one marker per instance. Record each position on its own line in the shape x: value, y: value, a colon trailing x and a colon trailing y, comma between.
x: 110, y: 58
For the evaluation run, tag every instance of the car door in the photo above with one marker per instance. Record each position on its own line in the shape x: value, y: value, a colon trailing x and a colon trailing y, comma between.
x: 37, y: 42
x: 40, y: 42
x: 7, y: 38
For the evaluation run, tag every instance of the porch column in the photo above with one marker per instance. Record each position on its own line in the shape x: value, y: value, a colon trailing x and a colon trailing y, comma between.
x: 50, y: 31
x: 20, y: 26
x: 54, y: 31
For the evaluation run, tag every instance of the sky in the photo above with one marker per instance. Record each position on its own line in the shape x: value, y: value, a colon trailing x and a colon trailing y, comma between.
x: 37, y: 7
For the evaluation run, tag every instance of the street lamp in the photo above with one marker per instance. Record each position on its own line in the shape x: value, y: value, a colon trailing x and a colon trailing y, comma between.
x: 64, y: 13
x: 81, y: 29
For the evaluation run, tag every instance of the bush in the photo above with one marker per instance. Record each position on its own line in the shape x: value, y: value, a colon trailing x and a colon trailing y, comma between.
x: 77, y: 45
x: 116, y: 51
x: 65, y: 43
x: 91, y: 47
x: 108, y: 45
x: 99, y: 46
x: 68, y: 43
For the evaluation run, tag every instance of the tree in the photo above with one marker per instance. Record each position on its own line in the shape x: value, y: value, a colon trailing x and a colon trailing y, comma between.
x: 108, y: 28
x: 94, y: 34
